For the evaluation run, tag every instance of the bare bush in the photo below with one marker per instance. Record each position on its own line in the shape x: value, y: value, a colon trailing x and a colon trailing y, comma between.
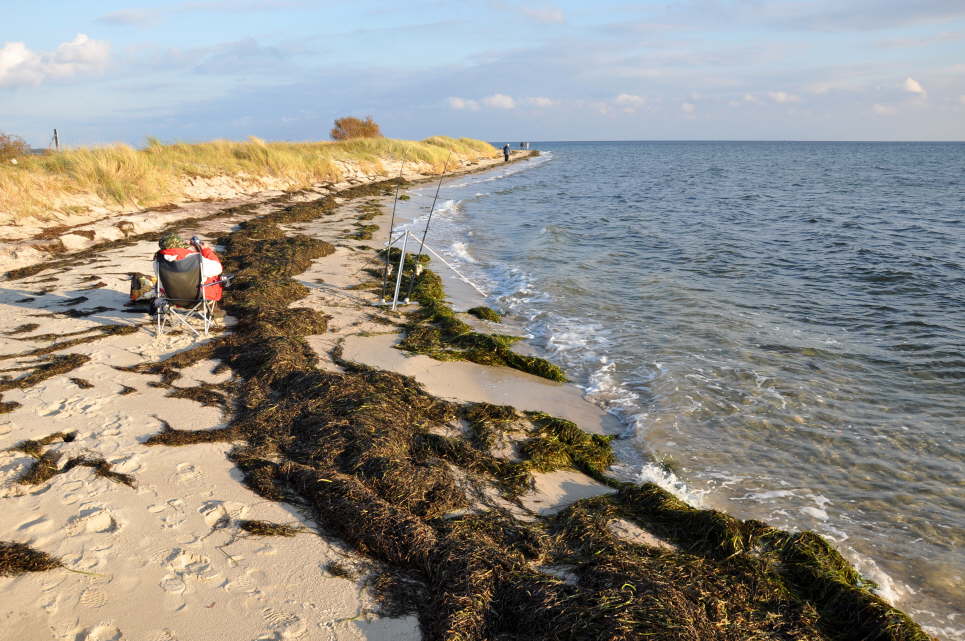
x: 12, y: 147
x: 350, y: 127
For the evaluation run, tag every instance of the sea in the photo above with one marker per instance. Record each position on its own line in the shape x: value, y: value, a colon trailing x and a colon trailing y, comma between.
x: 778, y: 326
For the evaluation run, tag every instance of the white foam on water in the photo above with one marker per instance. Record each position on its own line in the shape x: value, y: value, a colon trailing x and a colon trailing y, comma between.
x: 765, y: 496
x: 448, y: 206
x: 814, y: 512
x: 604, y: 388
x: 460, y: 250
x: 888, y: 589
x: 953, y: 631
x: 653, y: 473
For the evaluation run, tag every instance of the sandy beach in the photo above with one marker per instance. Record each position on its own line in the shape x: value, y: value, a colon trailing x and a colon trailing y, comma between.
x: 166, y: 559
x: 161, y: 542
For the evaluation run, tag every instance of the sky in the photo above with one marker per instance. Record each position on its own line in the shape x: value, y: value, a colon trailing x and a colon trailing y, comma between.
x: 122, y: 70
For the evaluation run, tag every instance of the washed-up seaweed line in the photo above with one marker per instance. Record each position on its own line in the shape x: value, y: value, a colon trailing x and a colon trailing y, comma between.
x: 362, y: 450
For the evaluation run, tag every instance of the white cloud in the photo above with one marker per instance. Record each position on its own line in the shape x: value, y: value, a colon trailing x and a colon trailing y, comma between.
x: 629, y: 100
x: 462, y: 103
x: 130, y: 17
x: 21, y: 66
x: 688, y: 107
x: 540, y: 101
x: 884, y: 110
x: 546, y: 15
x: 913, y: 86
x: 783, y: 97
x: 499, y: 101
x: 750, y: 98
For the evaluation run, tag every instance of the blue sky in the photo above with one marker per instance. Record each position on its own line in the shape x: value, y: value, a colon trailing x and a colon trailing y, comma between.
x: 284, y: 69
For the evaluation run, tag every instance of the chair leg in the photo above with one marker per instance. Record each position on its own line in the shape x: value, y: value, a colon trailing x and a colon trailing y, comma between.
x: 206, y: 310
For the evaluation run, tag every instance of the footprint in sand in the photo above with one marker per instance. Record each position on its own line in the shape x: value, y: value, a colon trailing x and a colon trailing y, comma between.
x: 284, y: 624
x: 189, y: 563
x: 173, y: 584
x: 114, y: 427
x: 130, y: 464
x: 100, y: 632
x: 171, y: 512
x: 215, y: 512
x: 92, y: 598
x: 73, y: 491
x: 92, y: 519
x: 247, y: 583
x: 182, y: 567
x: 71, y: 406
x: 36, y: 525
x: 187, y: 474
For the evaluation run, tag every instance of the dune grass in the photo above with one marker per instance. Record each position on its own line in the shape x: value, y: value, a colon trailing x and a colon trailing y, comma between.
x: 119, y: 176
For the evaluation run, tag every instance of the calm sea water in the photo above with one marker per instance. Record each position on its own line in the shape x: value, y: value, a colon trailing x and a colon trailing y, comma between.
x: 780, y: 326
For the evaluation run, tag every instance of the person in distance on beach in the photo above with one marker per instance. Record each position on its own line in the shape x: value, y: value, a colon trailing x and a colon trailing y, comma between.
x: 506, y: 152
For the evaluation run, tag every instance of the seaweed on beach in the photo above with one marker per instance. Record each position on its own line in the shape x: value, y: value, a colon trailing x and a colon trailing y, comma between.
x: 207, y: 394
x: 513, y: 477
x: 44, y: 467
x: 81, y: 382
x: 363, y: 451
x: 101, y: 468
x: 267, y: 528
x: 22, y: 329
x: 557, y: 443
x: 487, y: 421
x: 35, y: 447
x: 174, y: 437
x: 435, y: 330
x: 486, y: 314
x: 41, y: 370
x: 363, y: 232
x: 47, y: 368
x: 170, y: 369
x: 19, y: 558
x: 337, y: 569
x: 82, y: 336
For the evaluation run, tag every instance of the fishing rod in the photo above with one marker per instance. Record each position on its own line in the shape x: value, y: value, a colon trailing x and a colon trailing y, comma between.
x: 426, y: 231
x: 398, y: 185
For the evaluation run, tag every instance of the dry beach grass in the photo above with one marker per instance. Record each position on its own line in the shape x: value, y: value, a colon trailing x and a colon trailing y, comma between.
x: 119, y: 175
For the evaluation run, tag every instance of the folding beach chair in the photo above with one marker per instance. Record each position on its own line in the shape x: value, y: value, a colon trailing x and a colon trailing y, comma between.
x: 183, y: 297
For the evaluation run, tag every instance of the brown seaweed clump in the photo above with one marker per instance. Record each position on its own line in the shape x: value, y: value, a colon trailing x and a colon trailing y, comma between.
x: 486, y: 314
x: 267, y: 528
x: 44, y: 466
x: 436, y: 331
x: 23, y: 329
x: 20, y: 558
x: 363, y: 451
